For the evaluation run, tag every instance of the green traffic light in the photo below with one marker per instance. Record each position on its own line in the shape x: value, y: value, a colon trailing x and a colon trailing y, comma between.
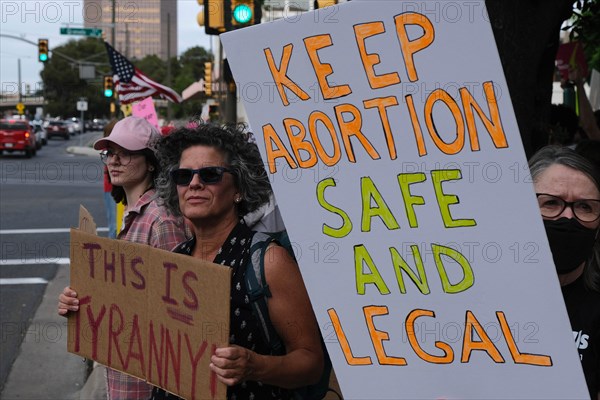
x: 43, y: 57
x: 108, y: 93
x: 242, y: 14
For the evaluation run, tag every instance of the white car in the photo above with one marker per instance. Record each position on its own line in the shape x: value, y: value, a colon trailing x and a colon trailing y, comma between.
x: 41, y: 136
x: 75, y: 124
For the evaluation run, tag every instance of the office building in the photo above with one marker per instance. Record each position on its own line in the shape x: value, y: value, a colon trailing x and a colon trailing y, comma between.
x: 142, y: 27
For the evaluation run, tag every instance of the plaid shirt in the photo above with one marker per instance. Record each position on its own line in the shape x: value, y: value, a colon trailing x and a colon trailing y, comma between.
x: 150, y: 224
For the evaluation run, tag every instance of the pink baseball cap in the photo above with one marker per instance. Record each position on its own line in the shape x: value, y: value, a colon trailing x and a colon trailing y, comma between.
x: 131, y: 133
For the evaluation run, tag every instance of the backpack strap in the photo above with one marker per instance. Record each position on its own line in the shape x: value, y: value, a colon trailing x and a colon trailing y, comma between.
x: 258, y: 290
x: 259, y: 293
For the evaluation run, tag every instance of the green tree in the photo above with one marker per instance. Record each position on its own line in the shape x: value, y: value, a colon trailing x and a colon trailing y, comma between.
x: 527, y: 38
x: 191, y: 69
x: 585, y: 26
x: 62, y: 85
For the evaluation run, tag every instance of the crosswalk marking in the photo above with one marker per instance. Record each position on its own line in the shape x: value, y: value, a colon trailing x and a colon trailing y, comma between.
x: 36, y: 261
x: 33, y: 231
x: 22, y: 281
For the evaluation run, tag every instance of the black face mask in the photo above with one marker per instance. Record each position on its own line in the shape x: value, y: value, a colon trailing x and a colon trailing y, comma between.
x: 570, y: 242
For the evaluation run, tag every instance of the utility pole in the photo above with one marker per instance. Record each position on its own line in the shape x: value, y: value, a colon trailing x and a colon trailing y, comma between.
x: 114, y: 18
x: 20, y: 90
x: 127, y: 40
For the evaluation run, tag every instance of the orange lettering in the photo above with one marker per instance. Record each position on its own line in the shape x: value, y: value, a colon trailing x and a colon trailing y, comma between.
x: 493, y: 126
x: 517, y: 356
x: 279, y: 151
x: 416, y: 125
x: 353, y: 128
x: 410, y: 47
x: 484, y: 344
x: 298, y: 143
x: 313, y: 119
x: 280, y: 75
x: 448, y: 356
x: 323, y: 70
x: 377, y: 336
x: 369, y: 60
x: 337, y: 326
x: 382, y: 103
x: 458, y: 144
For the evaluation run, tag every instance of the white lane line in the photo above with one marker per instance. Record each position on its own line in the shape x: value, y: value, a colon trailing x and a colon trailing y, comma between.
x: 22, y: 281
x: 32, y: 231
x: 36, y: 261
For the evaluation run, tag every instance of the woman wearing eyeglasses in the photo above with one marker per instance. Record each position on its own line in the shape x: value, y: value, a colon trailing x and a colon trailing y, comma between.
x: 133, y: 167
x: 568, y: 193
x: 214, y: 176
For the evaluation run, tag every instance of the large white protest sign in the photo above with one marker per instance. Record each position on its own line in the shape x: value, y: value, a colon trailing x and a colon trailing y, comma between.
x: 395, y: 156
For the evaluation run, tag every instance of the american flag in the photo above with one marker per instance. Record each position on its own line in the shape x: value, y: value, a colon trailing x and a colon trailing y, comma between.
x: 131, y: 84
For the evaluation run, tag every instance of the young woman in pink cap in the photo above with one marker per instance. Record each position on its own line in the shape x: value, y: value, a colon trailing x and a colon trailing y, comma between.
x: 133, y: 168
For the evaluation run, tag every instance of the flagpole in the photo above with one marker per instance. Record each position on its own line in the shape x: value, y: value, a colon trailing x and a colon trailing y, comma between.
x: 114, y: 101
x: 169, y: 110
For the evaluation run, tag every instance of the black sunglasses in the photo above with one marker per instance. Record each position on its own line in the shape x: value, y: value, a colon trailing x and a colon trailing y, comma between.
x: 207, y: 175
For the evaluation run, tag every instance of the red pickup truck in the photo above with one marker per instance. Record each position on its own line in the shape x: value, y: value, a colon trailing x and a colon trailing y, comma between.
x: 17, y: 135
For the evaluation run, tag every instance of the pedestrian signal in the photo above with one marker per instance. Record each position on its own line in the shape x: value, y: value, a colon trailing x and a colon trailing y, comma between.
x: 43, y: 50
x: 108, y: 86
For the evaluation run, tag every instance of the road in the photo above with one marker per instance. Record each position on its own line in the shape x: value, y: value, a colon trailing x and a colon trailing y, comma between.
x: 39, y: 202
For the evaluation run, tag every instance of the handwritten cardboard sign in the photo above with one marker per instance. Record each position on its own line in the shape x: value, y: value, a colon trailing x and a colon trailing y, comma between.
x: 150, y: 313
x: 396, y: 160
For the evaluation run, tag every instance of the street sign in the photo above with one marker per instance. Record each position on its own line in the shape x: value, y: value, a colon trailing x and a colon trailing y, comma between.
x: 94, y: 32
x: 82, y: 105
x: 20, y: 108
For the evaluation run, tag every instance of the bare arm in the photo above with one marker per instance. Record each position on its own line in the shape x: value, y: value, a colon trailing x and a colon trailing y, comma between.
x: 291, y: 314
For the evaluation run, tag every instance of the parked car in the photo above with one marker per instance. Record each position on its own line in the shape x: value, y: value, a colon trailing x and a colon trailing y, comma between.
x: 100, y: 123
x: 88, y: 125
x: 59, y: 128
x: 17, y: 135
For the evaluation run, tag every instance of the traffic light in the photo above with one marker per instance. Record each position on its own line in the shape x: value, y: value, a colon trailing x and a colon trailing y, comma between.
x: 212, y: 17
x: 242, y: 13
x: 108, y: 86
x: 208, y: 78
x: 324, y: 3
x: 43, y: 50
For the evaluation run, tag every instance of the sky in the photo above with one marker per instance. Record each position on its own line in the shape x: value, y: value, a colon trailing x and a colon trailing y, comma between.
x: 34, y: 19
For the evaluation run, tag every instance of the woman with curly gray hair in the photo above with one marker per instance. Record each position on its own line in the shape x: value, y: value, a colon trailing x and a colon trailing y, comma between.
x: 213, y: 176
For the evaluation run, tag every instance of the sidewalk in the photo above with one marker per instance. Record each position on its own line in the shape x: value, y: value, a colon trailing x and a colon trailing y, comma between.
x: 44, y: 369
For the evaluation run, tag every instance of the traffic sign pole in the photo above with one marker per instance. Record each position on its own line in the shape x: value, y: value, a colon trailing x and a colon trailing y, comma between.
x: 82, y: 106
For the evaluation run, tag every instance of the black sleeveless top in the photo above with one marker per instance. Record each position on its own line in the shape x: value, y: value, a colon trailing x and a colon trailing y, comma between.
x: 245, y: 330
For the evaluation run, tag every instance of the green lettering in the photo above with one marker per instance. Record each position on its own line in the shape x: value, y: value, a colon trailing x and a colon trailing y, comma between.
x: 362, y: 256
x: 369, y: 193
x: 346, y: 227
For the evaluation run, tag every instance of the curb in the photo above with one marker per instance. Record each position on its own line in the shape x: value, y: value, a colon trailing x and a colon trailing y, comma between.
x: 83, y: 151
